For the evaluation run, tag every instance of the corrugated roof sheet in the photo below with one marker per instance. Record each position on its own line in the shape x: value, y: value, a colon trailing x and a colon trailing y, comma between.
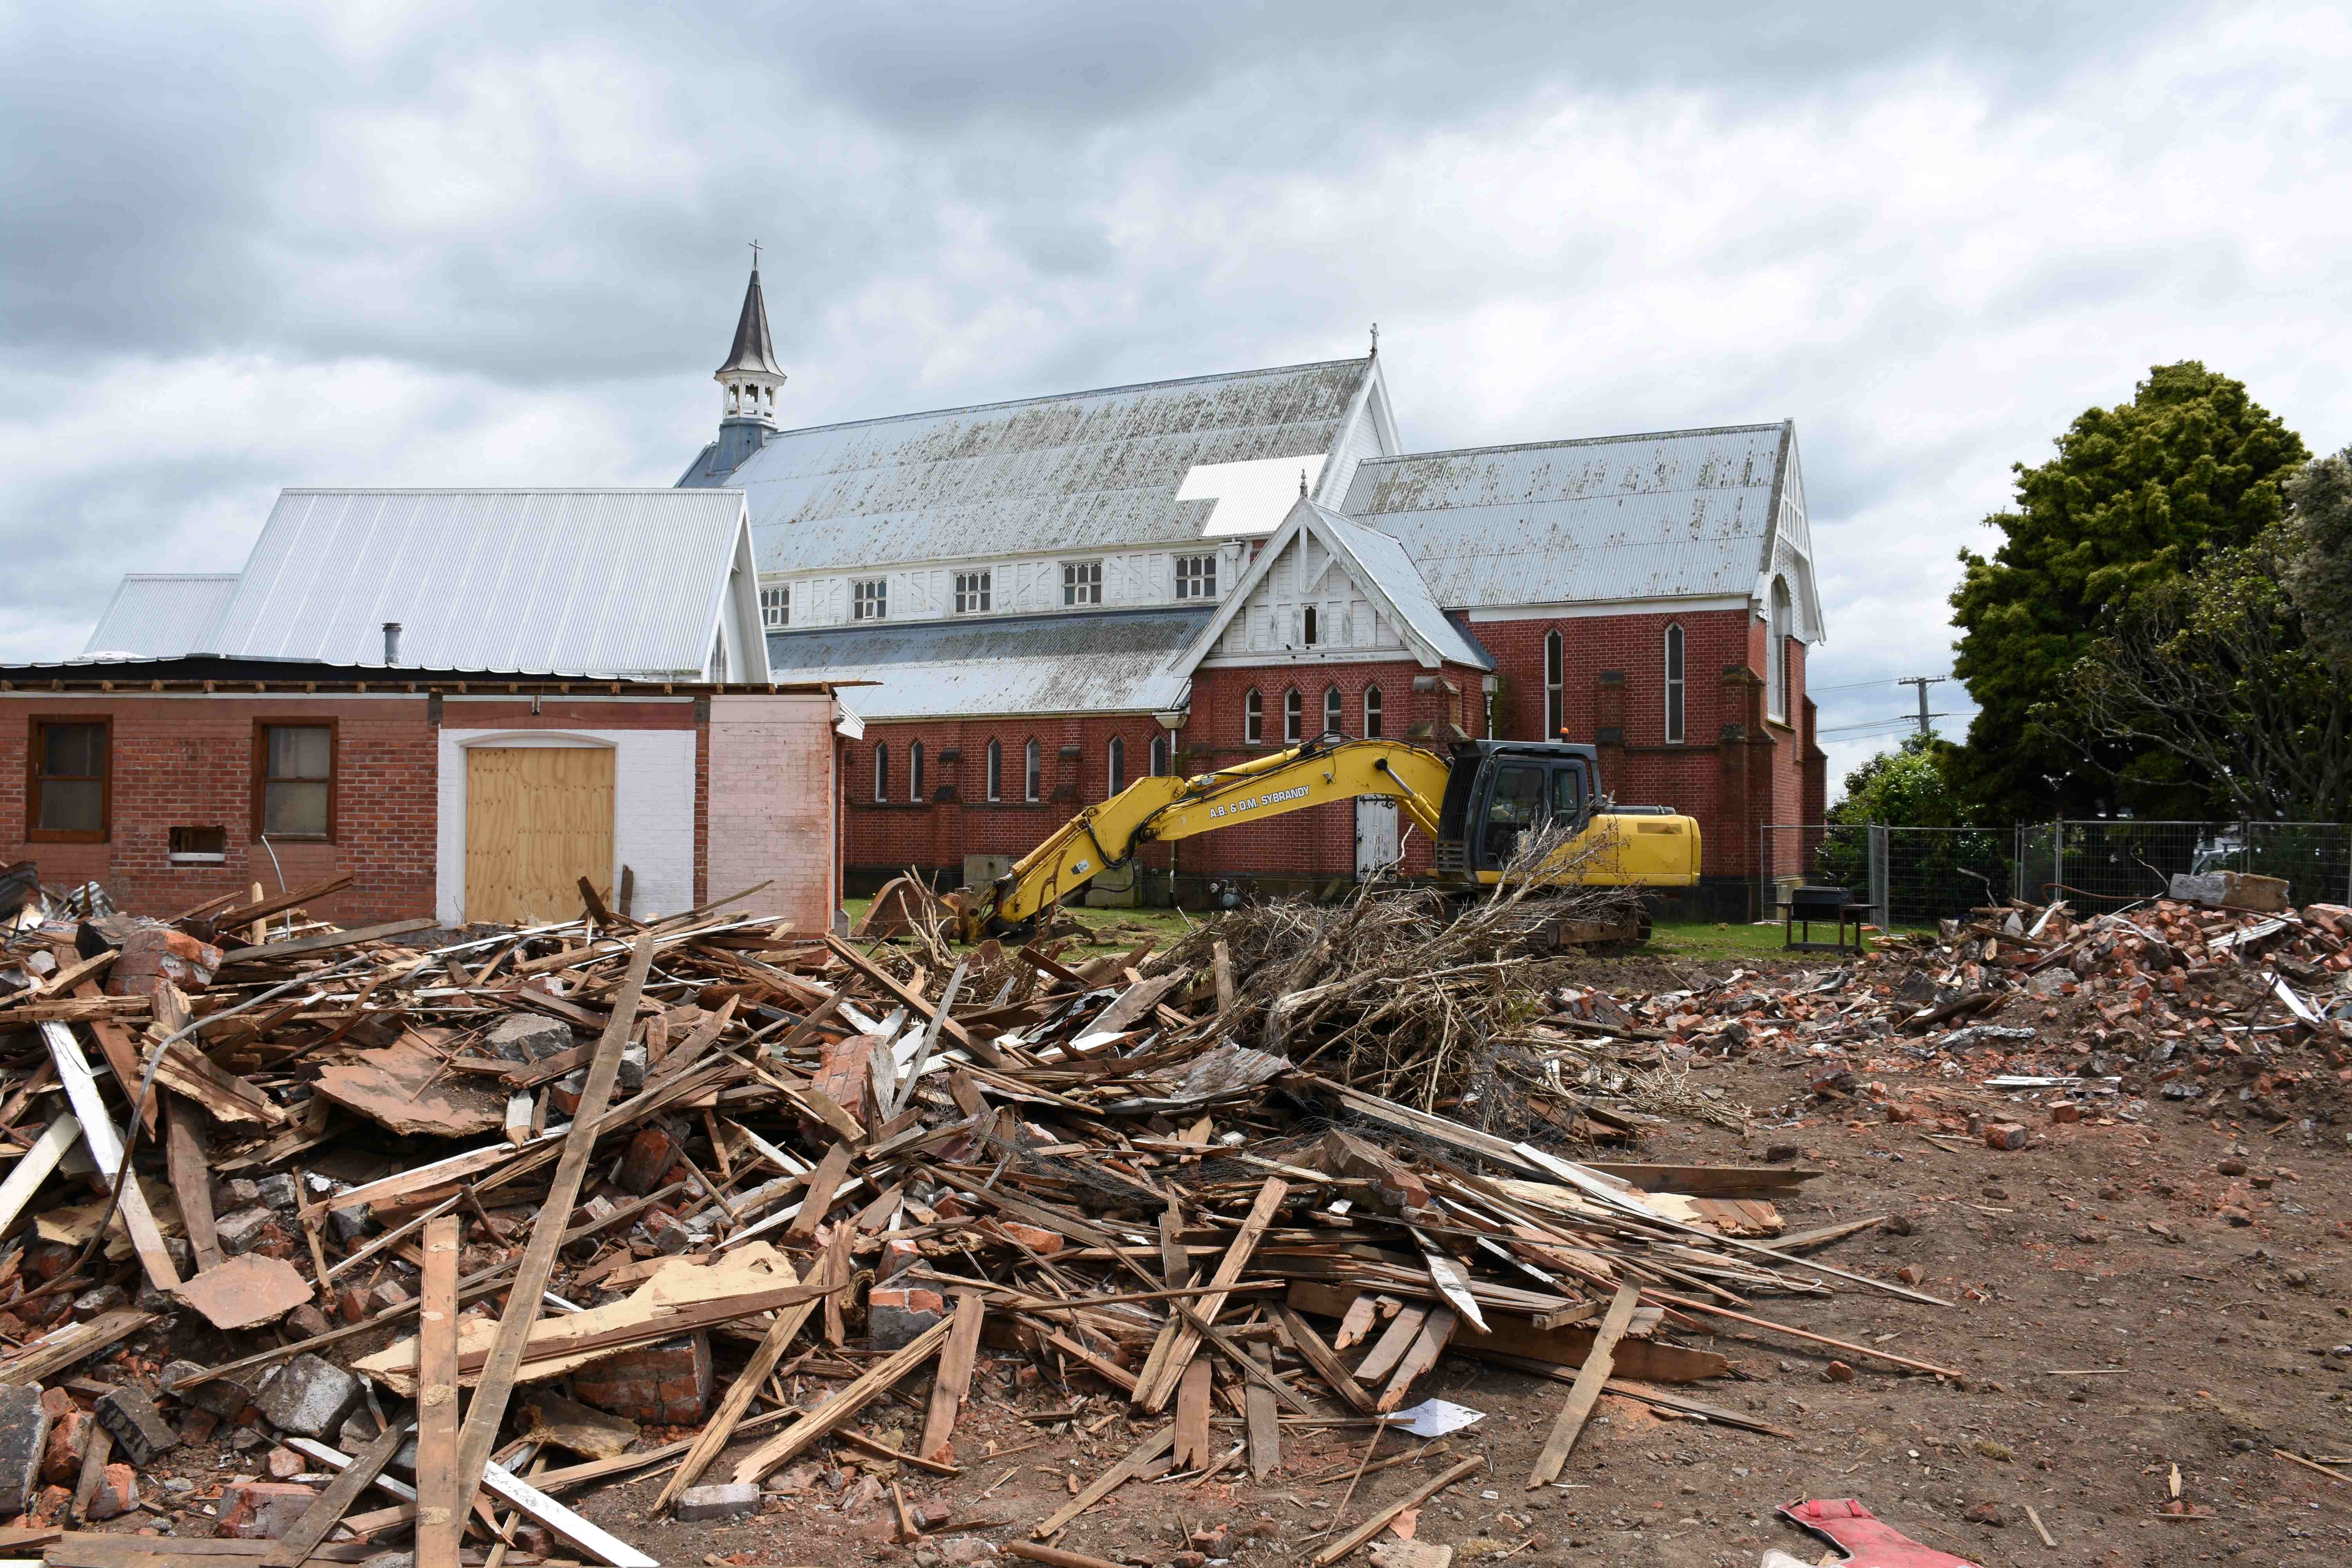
x: 1682, y: 514
x: 160, y: 613
x: 1085, y: 469
x: 1100, y: 662
x: 620, y: 581
x: 1386, y: 567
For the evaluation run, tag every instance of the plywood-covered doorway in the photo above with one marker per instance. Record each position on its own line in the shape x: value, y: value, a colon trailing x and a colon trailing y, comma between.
x: 537, y: 818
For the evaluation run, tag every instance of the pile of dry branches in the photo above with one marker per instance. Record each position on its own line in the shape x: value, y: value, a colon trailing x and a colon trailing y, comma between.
x: 1401, y: 991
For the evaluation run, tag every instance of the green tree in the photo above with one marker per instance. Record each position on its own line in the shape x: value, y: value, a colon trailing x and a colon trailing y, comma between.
x: 2215, y: 674
x: 1907, y: 787
x: 2138, y: 496
x: 2319, y: 557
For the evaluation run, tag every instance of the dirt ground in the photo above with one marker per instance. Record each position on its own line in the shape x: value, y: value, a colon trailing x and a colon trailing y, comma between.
x: 2130, y: 1296
x: 2148, y: 1290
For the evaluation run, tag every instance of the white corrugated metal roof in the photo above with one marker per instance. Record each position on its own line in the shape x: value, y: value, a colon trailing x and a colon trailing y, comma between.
x: 160, y: 613
x: 1106, y: 661
x: 599, y: 582
x: 1087, y: 469
x: 1677, y: 514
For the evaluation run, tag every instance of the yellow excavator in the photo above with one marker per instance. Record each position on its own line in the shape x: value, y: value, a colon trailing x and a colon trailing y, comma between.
x: 1475, y: 806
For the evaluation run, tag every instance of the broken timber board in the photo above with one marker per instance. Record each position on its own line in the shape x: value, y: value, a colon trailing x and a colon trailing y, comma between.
x: 1264, y: 1422
x: 441, y: 1509
x: 488, y: 1410
x: 105, y: 1143
x: 824, y: 1183
x: 720, y: 1429
x: 1644, y: 1359
x: 1437, y: 1333
x: 1581, y: 1394
x: 33, y: 1167
x: 1320, y: 1356
x: 191, y: 1178
x: 1378, y: 1521
x: 981, y: 1050
x: 1158, y: 1380
x: 1193, y: 1392
x: 325, y: 941
x: 846, y: 1402
x: 1109, y: 1481
x: 319, y: 1521
x: 1403, y: 1330
x: 952, y: 1384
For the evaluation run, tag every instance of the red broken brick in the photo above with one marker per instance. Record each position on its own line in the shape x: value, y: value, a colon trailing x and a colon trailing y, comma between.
x: 666, y: 1384
x: 651, y: 1153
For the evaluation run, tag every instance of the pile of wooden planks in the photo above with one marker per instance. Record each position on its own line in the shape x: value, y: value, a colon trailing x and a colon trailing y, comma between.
x: 839, y: 1167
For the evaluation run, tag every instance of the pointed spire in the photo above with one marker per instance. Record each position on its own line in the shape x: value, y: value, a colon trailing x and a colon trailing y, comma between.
x: 752, y: 351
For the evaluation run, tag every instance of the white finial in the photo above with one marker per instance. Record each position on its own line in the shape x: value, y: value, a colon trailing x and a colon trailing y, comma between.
x: 1376, y: 340
x: 1302, y: 484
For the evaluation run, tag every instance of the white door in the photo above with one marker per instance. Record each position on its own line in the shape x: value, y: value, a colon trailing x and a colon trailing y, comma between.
x: 1376, y: 835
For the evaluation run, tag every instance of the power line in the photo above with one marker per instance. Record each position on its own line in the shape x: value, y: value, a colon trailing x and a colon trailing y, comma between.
x: 1906, y: 720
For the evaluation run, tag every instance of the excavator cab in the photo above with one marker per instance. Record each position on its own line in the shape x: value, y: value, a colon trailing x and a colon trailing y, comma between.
x: 1497, y: 792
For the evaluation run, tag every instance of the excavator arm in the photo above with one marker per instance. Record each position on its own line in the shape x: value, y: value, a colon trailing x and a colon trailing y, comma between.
x: 1157, y: 809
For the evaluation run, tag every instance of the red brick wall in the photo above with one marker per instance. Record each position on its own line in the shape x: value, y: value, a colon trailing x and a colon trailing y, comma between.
x: 1316, y: 843
x: 1723, y: 667
x: 188, y: 762
x: 1734, y: 771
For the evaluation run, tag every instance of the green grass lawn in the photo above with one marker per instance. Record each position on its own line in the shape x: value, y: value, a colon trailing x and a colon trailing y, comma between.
x: 1109, y: 929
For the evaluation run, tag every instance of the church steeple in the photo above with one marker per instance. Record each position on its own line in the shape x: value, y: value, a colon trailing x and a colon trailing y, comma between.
x: 752, y: 377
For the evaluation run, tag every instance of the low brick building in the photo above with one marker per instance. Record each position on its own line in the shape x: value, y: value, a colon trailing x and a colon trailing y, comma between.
x: 465, y: 700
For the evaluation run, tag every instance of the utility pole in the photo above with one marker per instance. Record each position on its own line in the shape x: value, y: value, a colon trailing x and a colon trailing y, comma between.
x: 1923, y: 682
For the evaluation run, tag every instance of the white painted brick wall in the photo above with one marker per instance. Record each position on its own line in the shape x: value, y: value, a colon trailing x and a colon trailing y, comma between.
x: 773, y: 804
x: 653, y: 812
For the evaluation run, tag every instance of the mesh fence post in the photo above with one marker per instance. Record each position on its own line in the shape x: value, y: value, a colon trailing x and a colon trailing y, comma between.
x: 1879, y: 900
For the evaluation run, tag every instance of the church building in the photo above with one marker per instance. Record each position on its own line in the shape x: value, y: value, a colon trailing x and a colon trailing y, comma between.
x: 1055, y: 595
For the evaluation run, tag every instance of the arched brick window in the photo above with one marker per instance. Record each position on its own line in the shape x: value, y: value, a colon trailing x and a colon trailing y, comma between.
x: 1334, y: 710
x: 1373, y: 717
x: 881, y: 770
x: 1114, y: 766
x: 915, y: 773
x: 1254, y: 718
x: 1673, y: 660
x: 1032, y: 775
x: 1293, y: 716
x: 1555, y: 685
x: 996, y: 770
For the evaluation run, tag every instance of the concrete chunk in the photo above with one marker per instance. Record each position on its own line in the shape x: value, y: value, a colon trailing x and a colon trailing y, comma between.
x: 24, y: 1429
x: 261, y: 1510
x: 309, y: 1397
x: 530, y: 1040
x: 726, y: 1502
x: 224, y: 1396
x: 137, y: 1429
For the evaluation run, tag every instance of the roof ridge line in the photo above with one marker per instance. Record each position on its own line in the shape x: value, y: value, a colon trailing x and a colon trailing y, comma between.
x: 1576, y: 441
x: 1062, y: 396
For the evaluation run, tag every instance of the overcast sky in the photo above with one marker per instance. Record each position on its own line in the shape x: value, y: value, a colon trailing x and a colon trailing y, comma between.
x: 331, y: 243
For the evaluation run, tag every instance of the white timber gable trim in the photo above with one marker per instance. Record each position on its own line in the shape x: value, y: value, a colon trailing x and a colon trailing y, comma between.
x: 1368, y: 431
x: 1305, y: 568
x: 1131, y: 579
x: 1788, y: 554
x: 735, y: 635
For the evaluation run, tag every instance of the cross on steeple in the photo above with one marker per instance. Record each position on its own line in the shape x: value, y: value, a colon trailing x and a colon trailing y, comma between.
x: 755, y: 267
x: 1376, y: 340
